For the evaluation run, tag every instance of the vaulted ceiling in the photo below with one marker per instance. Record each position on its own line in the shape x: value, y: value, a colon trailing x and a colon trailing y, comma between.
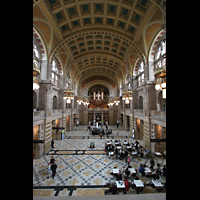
x: 92, y: 39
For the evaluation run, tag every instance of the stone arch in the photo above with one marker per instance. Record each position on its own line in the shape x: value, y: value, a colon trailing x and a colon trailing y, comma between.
x: 106, y: 32
x: 42, y: 44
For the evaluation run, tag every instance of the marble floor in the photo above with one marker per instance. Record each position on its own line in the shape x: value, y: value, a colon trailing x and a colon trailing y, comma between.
x: 81, y: 170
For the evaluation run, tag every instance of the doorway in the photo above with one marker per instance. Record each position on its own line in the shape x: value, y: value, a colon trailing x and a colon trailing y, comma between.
x: 98, y: 117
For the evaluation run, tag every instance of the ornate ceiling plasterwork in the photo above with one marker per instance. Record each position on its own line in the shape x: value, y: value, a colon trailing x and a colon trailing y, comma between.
x: 97, y: 35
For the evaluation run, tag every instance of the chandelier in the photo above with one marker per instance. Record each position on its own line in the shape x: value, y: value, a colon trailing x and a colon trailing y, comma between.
x: 82, y: 100
x: 68, y: 95
x: 85, y: 102
x: 127, y: 96
x: 113, y: 101
x: 116, y: 100
x: 161, y: 84
x: 110, y: 103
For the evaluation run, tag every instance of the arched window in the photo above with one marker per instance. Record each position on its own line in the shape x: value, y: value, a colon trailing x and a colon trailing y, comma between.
x: 141, y: 74
x: 35, y: 51
x: 54, y: 74
x: 54, y: 102
x: 140, y: 102
x: 160, y: 58
x: 36, y: 64
x: 158, y: 55
x: 163, y: 47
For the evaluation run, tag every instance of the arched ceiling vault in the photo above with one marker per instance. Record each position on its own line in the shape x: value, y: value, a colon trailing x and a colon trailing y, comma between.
x: 93, y: 38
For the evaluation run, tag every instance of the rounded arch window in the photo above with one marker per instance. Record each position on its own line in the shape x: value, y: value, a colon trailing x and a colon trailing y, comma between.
x: 35, y: 51
x: 140, y: 102
x: 140, y: 74
x: 54, y: 73
x: 160, y: 58
x: 55, y: 102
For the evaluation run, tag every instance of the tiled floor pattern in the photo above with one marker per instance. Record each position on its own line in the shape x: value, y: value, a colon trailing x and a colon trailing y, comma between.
x: 78, y: 165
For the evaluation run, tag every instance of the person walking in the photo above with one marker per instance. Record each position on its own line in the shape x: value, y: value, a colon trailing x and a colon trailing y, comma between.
x: 101, y: 136
x: 53, y: 169
x: 152, y: 162
x: 126, y: 154
x: 128, y: 160
x: 52, y: 160
x: 52, y: 143
x: 49, y: 168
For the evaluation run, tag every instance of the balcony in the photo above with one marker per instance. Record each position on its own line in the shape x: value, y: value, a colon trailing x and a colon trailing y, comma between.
x: 158, y: 114
x: 139, y: 112
x: 38, y: 114
x: 55, y: 112
x: 68, y: 111
x: 97, y: 109
x: 128, y: 111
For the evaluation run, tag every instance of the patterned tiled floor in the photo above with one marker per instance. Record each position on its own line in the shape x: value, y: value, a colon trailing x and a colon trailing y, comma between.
x: 80, y: 166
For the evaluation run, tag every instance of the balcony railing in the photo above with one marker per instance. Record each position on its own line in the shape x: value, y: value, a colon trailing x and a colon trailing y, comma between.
x: 158, y: 114
x: 97, y: 109
x: 56, y: 112
x: 139, y: 112
x: 38, y: 114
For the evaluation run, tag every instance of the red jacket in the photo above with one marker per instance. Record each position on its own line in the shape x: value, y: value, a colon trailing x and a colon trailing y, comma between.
x: 127, y: 185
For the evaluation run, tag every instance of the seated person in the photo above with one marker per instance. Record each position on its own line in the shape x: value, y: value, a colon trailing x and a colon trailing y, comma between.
x: 156, y: 175
x: 136, y: 178
x: 119, y: 176
x: 112, y: 189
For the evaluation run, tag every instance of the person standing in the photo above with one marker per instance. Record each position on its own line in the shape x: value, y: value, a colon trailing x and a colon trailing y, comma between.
x: 63, y: 135
x: 117, y: 124
x: 49, y: 168
x: 128, y: 160
x: 127, y: 184
x: 126, y: 154
x: 52, y: 143
x: 101, y: 136
x: 116, y: 152
x: 152, y: 162
x: 52, y: 160
x: 53, y: 169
